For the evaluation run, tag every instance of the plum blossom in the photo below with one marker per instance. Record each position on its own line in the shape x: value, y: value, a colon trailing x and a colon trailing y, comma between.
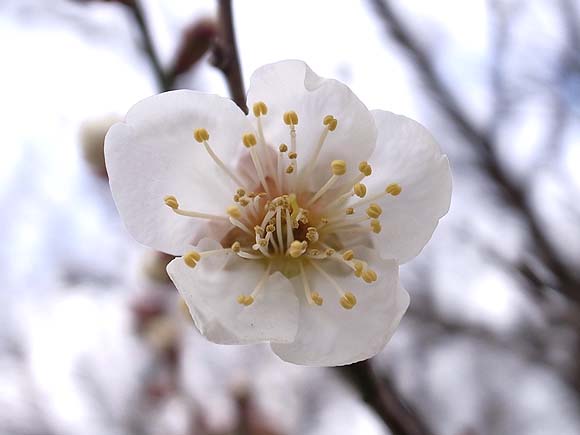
x: 289, y: 224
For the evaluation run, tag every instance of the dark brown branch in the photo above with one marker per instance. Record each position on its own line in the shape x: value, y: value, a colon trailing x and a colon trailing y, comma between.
x: 163, y: 80
x: 382, y: 397
x: 225, y: 55
x: 511, y: 192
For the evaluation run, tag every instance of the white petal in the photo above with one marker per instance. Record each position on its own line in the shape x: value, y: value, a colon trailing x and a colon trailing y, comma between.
x: 292, y: 85
x: 211, y: 290
x: 153, y: 154
x: 329, y: 335
x: 407, y: 154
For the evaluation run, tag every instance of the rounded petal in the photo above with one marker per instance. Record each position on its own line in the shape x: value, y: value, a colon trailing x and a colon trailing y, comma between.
x: 211, y: 290
x: 292, y: 86
x: 153, y: 154
x: 407, y: 154
x: 329, y: 335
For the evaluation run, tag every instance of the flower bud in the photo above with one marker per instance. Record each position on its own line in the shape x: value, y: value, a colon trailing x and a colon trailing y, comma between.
x: 92, y: 138
x: 195, y: 41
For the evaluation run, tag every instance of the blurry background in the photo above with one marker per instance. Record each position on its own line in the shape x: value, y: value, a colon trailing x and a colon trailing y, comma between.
x: 92, y: 337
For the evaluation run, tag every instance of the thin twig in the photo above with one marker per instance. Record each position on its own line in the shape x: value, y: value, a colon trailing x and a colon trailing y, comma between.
x: 163, y: 80
x: 225, y: 55
x: 381, y: 395
x: 514, y: 195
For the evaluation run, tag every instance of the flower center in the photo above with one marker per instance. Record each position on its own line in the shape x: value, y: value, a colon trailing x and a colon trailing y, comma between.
x: 285, y: 224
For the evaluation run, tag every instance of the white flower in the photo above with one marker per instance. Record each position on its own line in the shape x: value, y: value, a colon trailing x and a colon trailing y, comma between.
x: 296, y: 242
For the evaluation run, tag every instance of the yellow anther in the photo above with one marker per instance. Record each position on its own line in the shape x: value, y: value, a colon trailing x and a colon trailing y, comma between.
x: 234, y: 211
x: 374, y: 211
x: 244, y: 202
x: 317, y: 298
x: 348, y: 301
x: 236, y: 198
x: 290, y: 118
x: 191, y: 258
x: 171, y: 201
x: 259, y: 108
x: 200, y: 135
x: 349, y: 211
x: 365, y: 168
x: 369, y: 276
x: 312, y: 235
x: 329, y: 252
x: 292, y: 155
x: 372, y: 275
x: 245, y: 300
x: 360, y: 190
x: 358, y: 269
x: 338, y: 167
x: 271, y: 228
x: 393, y: 189
x: 249, y: 140
x: 296, y: 249
x: 330, y: 122
x: 236, y: 247
x: 240, y: 192
x: 259, y: 230
x: 314, y: 252
x: 323, y: 220
x: 376, y: 226
x: 348, y: 255
x: 283, y: 147
x: 290, y: 169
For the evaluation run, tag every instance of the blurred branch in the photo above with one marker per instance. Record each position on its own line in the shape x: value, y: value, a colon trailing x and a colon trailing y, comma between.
x: 225, y: 55
x: 382, y: 397
x: 164, y: 81
x: 513, y: 194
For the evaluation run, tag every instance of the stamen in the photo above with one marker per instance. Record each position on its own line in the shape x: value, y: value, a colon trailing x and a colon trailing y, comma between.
x: 360, y: 190
x: 260, y: 109
x: 241, y: 226
x: 234, y: 211
x: 201, y: 135
x: 347, y: 299
x: 330, y: 124
x: 369, y: 276
x: 338, y: 168
x: 348, y: 255
x: 297, y: 248
x: 291, y: 119
x: 191, y: 258
x: 281, y: 178
x: 307, y: 291
x: 249, y: 141
x: 247, y: 300
x: 173, y: 204
x: 374, y: 211
x: 289, y: 232
x: 279, y: 228
x: 393, y: 189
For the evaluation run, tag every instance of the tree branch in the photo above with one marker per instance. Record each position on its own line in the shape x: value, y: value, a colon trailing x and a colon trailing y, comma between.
x: 511, y: 192
x: 163, y: 80
x: 382, y: 397
x: 225, y: 55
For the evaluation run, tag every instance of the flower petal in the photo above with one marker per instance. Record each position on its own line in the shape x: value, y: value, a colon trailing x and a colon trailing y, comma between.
x: 408, y: 155
x: 329, y: 335
x: 292, y: 85
x: 153, y: 154
x: 211, y: 290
